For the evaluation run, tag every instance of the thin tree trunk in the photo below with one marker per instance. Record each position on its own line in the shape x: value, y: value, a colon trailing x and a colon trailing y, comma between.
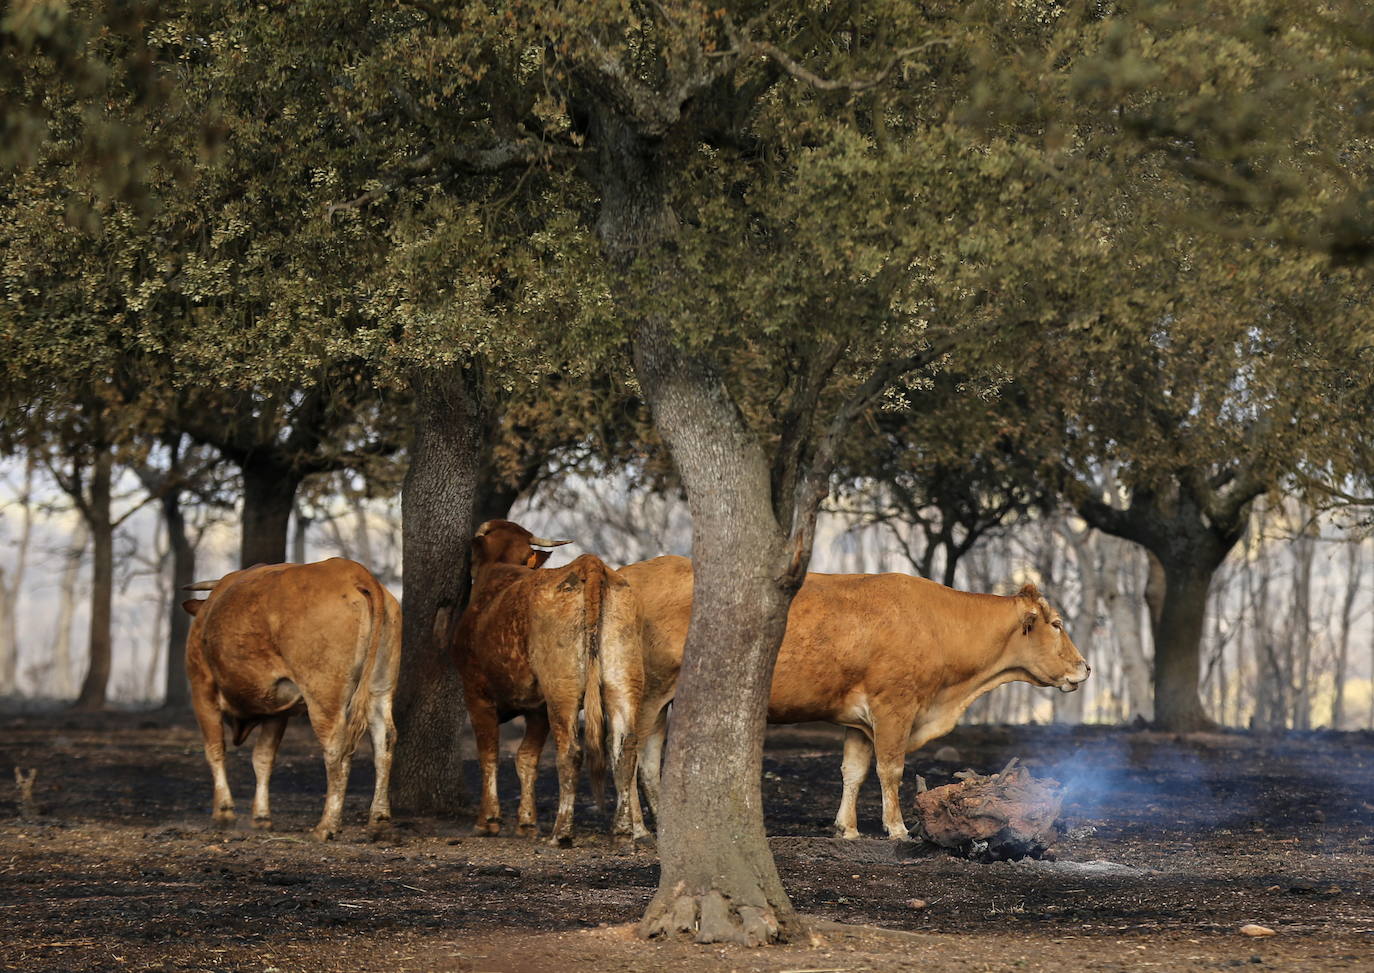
x: 437, y: 501
x: 96, y: 684
x: 12, y: 585
x: 298, y: 537
x: 64, y: 679
x: 176, y: 690
x: 1304, y: 551
x: 1354, y: 574
x: 1124, y: 604
x: 269, y: 493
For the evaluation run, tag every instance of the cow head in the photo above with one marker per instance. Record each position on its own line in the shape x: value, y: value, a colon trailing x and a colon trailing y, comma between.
x: 505, y: 542
x: 1045, y: 651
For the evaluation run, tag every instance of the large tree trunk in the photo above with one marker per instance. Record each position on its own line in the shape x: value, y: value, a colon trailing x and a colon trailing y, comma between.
x: 437, y: 501
x: 718, y: 878
x: 177, y: 692
x: 269, y: 492
x: 1178, y: 647
x: 96, y: 683
x: 718, y: 881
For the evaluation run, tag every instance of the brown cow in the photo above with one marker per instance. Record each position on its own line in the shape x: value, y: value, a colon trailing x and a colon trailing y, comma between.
x: 893, y: 658
x: 278, y: 639
x: 544, y: 644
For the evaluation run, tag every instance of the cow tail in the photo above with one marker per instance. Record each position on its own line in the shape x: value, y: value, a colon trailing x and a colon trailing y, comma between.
x: 359, y: 706
x: 594, y: 731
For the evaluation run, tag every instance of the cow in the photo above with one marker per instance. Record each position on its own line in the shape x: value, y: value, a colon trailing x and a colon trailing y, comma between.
x: 545, y: 644
x: 894, y: 659
x: 275, y: 640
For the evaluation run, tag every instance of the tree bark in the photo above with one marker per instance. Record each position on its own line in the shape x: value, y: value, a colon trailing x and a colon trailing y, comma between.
x: 96, y: 684
x: 269, y: 493
x: 1188, y: 532
x: 718, y: 879
x: 177, y: 691
x: 12, y: 586
x: 1354, y: 574
x: 63, y: 676
x: 1178, y: 647
x: 437, y: 503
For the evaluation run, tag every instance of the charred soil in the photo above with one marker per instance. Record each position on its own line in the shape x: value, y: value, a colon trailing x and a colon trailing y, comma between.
x: 1174, y: 844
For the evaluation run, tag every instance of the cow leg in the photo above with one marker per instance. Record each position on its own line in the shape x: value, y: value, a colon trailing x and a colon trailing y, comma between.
x: 624, y: 746
x: 339, y: 740
x: 383, y: 732
x: 653, y: 730
x: 527, y: 769
x: 264, y: 758
x: 858, y: 753
x: 889, y: 743
x: 486, y: 732
x: 211, y: 722
x: 569, y: 746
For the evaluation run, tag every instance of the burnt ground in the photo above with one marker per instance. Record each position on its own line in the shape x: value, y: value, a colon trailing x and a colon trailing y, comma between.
x: 1175, y: 843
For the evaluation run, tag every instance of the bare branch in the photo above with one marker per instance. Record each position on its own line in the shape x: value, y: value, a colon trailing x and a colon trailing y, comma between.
x: 801, y: 73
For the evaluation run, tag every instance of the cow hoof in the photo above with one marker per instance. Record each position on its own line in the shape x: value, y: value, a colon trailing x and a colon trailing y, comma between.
x: 262, y: 824
x: 322, y: 833
x: 527, y: 830
x: 379, y: 830
x: 487, y: 829
x: 903, y: 835
x: 561, y: 841
x: 224, y: 820
x: 847, y: 834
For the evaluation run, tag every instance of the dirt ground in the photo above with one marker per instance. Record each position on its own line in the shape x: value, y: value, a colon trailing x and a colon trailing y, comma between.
x: 1174, y: 843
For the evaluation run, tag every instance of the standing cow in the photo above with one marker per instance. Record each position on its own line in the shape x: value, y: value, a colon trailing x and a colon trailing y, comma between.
x: 279, y: 639
x: 894, y: 659
x: 546, y: 644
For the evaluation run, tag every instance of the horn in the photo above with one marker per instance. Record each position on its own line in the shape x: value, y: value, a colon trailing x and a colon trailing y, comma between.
x: 201, y: 586
x: 541, y: 542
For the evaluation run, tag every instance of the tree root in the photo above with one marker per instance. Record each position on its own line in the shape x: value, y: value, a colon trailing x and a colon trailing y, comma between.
x: 713, y: 917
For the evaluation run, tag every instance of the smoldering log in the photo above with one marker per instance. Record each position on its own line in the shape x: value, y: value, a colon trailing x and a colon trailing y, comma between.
x: 1009, y: 815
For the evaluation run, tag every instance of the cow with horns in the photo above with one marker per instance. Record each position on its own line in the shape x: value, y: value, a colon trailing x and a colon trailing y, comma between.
x: 544, y: 645
x: 275, y: 640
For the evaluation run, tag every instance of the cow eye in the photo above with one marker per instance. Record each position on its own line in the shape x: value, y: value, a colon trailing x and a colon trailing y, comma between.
x: 1058, y: 624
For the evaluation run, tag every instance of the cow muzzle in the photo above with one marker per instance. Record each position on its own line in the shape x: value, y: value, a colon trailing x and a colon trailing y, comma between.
x: 1071, y: 682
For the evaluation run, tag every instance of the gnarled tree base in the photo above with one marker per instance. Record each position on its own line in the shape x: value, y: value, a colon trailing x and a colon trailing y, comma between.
x: 715, y: 917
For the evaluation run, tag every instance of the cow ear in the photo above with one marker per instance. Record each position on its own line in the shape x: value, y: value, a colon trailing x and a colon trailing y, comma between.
x: 1028, y: 618
x: 192, y: 605
x: 1029, y: 590
x: 537, y: 558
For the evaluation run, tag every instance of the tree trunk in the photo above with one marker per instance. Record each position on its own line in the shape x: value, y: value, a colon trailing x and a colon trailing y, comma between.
x: 298, y: 538
x: 1354, y: 574
x: 718, y: 879
x: 12, y: 586
x: 437, y: 501
x: 63, y: 677
x: 96, y: 684
x: 177, y: 694
x: 269, y: 492
x: 1178, y: 648
x: 1124, y: 603
x: 1304, y: 551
